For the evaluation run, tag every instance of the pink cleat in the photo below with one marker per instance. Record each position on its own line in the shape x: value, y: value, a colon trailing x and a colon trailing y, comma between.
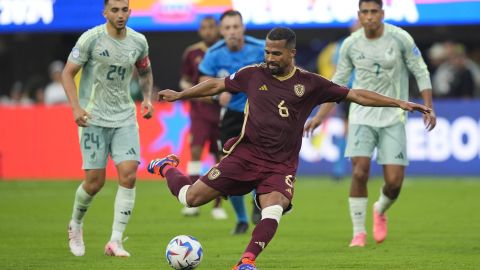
x: 359, y: 240
x: 379, y: 226
x: 115, y: 248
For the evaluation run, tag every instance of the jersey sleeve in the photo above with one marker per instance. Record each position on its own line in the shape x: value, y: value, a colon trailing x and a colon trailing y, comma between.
x: 143, y: 60
x: 81, y: 52
x: 208, y: 66
x: 414, y: 61
x: 344, y: 66
x: 328, y: 91
x: 238, y: 81
x: 145, y: 48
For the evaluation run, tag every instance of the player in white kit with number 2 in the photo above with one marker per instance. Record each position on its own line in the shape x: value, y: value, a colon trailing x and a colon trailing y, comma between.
x: 381, y: 55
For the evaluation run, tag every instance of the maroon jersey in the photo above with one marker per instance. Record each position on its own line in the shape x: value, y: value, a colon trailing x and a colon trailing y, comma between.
x: 276, y: 111
x: 191, y: 58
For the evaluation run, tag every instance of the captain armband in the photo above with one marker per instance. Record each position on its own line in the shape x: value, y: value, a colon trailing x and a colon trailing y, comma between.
x: 143, y: 64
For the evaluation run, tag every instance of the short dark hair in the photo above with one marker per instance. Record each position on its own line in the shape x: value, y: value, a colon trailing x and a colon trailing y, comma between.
x: 209, y: 18
x: 379, y: 2
x: 105, y: 2
x: 231, y: 12
x: 283, y: 33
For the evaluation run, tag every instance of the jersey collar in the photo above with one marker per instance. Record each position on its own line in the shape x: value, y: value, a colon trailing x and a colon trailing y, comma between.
x: 286, y: 77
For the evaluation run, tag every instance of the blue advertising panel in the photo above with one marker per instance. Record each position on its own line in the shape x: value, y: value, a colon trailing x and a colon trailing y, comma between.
x: 452, y: 148
x: 177, y: 15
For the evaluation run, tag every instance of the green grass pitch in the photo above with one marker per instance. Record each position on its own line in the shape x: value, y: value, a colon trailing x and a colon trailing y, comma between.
x: 434, y: 225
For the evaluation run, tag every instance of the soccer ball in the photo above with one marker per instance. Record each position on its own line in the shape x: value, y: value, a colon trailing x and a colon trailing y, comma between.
x: 184, y: 252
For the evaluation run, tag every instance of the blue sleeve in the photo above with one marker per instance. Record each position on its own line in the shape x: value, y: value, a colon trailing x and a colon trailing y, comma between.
x: 208, y: 66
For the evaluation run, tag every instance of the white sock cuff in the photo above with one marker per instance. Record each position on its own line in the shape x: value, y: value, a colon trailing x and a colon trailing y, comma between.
x: 126, y: 193
x: 182, y: 195
x: 194, y: 167
x: 272, y: 212
x: 384, y: 197
x: 383, y: 202
x: 82, y: 195
x: 358, y: 200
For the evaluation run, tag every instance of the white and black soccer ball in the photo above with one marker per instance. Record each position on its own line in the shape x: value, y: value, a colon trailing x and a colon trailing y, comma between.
x: 184, y: 252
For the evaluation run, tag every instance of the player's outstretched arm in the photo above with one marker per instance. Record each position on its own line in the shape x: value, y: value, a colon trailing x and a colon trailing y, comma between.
x: 372, y: 99
x: 207, y: 88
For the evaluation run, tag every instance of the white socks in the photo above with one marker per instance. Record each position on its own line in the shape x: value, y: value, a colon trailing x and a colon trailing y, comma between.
x: 383, y: 203
x: 358, y: 210
x: 124, y: 202
x: 80, y: 206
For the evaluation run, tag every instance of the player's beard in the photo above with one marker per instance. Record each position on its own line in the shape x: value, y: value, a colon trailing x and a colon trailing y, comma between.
x: 275, y: 69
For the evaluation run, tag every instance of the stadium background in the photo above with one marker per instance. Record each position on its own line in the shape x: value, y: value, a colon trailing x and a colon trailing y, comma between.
x: 434, y: 225
x: 34, y: 33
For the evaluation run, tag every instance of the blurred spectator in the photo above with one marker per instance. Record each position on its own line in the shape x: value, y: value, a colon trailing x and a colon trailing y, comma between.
x: 437, y: 55
x: 35, y: 88
x: 457, y: 75
x: 462, y: 84
x: 54, y: 93
x: 17, y: 96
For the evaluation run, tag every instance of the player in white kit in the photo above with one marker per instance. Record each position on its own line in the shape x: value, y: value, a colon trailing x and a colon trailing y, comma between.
x: 381, y: 56
x: 106, y: 116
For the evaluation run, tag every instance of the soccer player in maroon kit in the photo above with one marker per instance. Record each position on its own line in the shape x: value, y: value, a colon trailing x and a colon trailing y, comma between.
x: 265, y: 156
x: 204, y: 114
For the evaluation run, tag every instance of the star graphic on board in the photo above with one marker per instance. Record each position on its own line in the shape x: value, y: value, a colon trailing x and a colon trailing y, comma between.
x: 175, y: 125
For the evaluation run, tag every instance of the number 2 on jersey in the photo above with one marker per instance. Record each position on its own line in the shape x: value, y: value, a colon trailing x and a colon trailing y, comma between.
x: 116, y: 69
x: 378, y: 66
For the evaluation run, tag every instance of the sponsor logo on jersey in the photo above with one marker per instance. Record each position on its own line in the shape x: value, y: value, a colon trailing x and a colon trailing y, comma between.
x: 213, y: 174
x: 222, y: 73
x: 361, y: 56
x: 263, y: 88
x: 105, y: 53
x: 299, y: 89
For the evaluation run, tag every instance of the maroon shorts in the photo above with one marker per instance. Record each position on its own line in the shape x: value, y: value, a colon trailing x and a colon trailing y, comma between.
x: 235, y: 176
x: 203, y: 130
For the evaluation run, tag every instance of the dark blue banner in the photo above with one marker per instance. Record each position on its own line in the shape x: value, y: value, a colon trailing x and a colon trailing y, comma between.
x: 180, y: 15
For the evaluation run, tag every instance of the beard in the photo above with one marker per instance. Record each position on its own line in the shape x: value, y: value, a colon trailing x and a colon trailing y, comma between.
x: 274, y: 69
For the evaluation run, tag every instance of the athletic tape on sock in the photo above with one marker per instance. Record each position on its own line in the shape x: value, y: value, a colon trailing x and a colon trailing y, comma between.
x: 182, y: 195
x: 272, y: 212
